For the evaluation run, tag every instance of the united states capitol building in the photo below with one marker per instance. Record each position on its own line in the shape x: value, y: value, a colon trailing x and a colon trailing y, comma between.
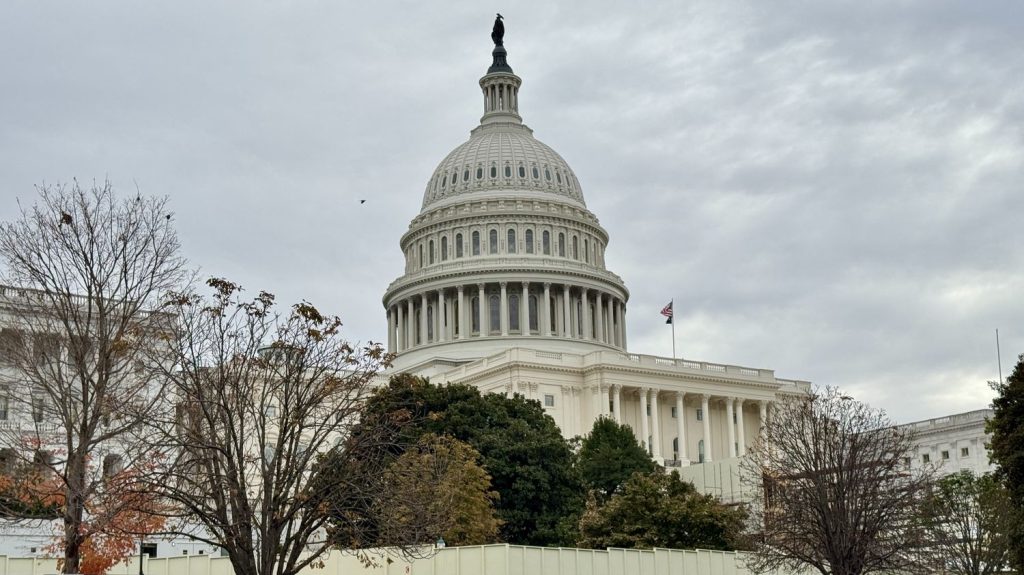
x: 505, y: 288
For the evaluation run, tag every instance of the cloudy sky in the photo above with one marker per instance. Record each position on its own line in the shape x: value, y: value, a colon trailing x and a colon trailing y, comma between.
x: 829, y: 189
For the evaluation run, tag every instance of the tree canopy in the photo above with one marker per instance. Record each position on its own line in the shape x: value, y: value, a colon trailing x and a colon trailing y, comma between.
x: 969, y: 520
x: 1006, y: 429
x: 520, y: 446
x: 609, y: 455
x: 657, y: 509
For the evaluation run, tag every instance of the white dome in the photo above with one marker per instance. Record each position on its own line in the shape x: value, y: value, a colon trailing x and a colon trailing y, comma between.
x: 498, y: 158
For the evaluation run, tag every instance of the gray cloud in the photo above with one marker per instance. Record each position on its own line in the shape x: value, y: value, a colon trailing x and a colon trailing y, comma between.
x: 827, y: 189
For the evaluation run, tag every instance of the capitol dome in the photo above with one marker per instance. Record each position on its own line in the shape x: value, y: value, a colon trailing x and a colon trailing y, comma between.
x: 504, y: 252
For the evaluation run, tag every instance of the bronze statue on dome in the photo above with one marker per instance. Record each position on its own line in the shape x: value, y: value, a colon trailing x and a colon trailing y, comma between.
x: 498, y: 33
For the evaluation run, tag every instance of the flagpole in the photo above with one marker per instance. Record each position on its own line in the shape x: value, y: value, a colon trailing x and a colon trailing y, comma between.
x: 673, y: 318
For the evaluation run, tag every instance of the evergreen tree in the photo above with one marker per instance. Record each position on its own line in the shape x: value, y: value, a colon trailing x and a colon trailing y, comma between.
x: 609, y: 455
x: 1006, y: 428
x: 520, y: 446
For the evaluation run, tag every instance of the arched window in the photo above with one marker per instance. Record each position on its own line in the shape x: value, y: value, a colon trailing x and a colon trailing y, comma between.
x: 561, y: 245
x: 444, y: 179
x: 700, y: 451
x: 586, y: 251
x: 558, y: 176
x: 511, y: 247
x: 675, y: 448
x: 444, y: 248
x: 528, y: 238
x: 513, y: 312
x: 494, y: 171
x: 495, y: 313
x: 421, y: 255
x: 458, y: 245
x: 522, y: 171
x: 430, y: 323
x: 547, y: 174
x: 493, y: 241
x: 533, y: 313
x: 508, y: 171
x: 430, y: 252
x: 455, y: 177
x: 475, y: 315
x: 545, y: 240
x: 479, y: 173
x: 476, y: 243
x: 456, y: 327
x: 536, y: 174
x: 575, y: 247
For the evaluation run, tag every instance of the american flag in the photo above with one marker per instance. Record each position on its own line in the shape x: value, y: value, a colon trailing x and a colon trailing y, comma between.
x: 667, y: 312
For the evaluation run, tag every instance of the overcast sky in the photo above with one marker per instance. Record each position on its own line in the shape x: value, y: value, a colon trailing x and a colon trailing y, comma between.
x: 829, y: 189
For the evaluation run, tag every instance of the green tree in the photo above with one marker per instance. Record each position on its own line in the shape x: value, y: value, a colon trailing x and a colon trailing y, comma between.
x: 609, y: 455
x: 968, y: 519
x: 1006, y: 428
x: 439, y: 490
x: 661, y: 510
x: 520, y: 446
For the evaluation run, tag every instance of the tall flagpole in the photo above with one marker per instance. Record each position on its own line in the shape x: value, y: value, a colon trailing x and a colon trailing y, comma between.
x: 673, y: 318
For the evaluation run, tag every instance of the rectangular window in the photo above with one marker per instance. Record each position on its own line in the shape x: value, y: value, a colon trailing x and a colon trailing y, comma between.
x: 926, y: 458
x: 700, y: 414
x: 673, y: 412
x: 549, y: 401
x: 906, y: 462
x: 37, y: 410
x: 5, y: 403
x: 945, y: 455
x: 964, y: 452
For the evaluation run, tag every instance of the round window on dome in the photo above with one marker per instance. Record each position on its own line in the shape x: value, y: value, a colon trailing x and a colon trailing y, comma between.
x: 547, y: 174
x: 465, y: 175
x: 508, y: 171
x: 558, y: 176
x: 455, y: 177
x: 479, y: 173
x: 522, y: 172
x: 443, y: 180
x: 536, y: 174
x: 494, y: 171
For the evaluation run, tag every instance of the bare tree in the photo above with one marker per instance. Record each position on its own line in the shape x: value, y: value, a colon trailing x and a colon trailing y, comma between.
x: 86, y: 272
x: 261, y: 401
x: 837, y: 494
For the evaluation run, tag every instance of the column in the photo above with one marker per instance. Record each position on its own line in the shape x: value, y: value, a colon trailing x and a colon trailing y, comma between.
x: 391, y: 331
x: 410, y: 322
x: 461, y: 312
x: 611, y: 321
x: 441, y: 316
x: 598, y: 312
x: 504, y: 308
x: 656, y: 427
x: 617, y: 403
x: 481, y: 305
x: 643, y: 420
x: 730, y: 425
x: 707, y: 427
x: 763, y: 409
x: 423, y: 319
x: 566, y: 324
x: 616, y: 325
x: 545, y: 320
x: 524, y: 311
x: 742, y: 435
x: 620, y: 312
x: 399, y: 334
x: 681, y: 427
x: 585, y: 312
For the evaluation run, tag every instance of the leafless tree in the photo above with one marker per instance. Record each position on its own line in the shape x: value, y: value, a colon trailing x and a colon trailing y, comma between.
x: 261, y: 400
x: 85, y: 274
x: 836, y: 492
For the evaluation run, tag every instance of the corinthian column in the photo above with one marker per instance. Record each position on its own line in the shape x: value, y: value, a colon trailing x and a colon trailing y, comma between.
x: 524, y: 310
x: 504, y: 308
x: 730, y: 415
x: 681, y: 427
x: 545, y: 320
x: 461, y: 319
x: 742, y: 434
x: 643, y: 420
x: 706, y: 414
x: 566, y: 324
x: 656, y: 427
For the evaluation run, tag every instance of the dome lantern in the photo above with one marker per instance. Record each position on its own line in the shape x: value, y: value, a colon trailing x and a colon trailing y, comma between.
x: 500, y: 85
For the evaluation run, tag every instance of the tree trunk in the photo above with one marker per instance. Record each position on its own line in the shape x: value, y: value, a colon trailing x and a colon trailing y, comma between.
x: 73, y: 511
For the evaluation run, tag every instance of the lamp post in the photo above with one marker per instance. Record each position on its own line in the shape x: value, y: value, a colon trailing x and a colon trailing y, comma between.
x: 142, y: 538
